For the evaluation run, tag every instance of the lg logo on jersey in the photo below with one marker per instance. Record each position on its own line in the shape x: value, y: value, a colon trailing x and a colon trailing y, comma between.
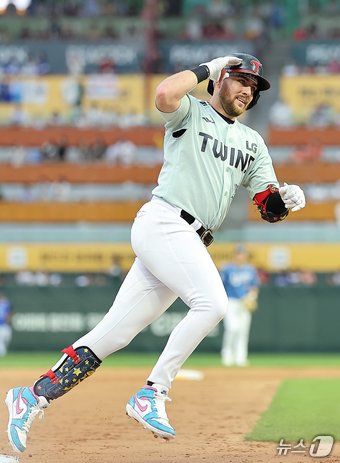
x: 251, y: 147
x: 219, y: 150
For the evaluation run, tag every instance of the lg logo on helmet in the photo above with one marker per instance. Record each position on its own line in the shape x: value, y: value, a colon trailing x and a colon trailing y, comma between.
x: 256, y: 65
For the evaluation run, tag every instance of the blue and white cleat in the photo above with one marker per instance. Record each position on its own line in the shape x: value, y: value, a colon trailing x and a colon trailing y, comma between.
x: 23, y: 407
x: 147, y: 407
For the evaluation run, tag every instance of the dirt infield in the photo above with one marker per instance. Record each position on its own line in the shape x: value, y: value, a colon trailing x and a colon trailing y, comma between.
x: 211, y: 418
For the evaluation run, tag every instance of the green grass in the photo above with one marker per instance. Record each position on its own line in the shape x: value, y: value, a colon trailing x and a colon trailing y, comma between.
x: 197, y: 360
x: 295, y: 360
x: 301, y: 408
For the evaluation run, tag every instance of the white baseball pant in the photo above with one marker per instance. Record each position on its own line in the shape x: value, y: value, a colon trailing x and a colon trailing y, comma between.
x: 171, y: 262
x: 5, y: 339
x: 236, y: 334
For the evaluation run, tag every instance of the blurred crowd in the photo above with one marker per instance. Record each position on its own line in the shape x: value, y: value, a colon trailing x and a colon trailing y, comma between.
x: 217, y: 19
x: 256, y: 22
x: 293, y: 68
x: 323, y: 115
x: 295, y: 278
x: 212, y: 19
x: 123, y: 152
x: 41, y: 278
x: 191, y: 20
x: 221, y: 19
x: 298, y: 278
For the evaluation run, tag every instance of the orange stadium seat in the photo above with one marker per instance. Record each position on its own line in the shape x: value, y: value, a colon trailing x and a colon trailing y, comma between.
x: 69, y: 212
x: 11, y: 136
x: 78, y: 173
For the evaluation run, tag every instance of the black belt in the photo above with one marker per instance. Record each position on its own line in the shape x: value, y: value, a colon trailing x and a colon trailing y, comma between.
x: 205, y: 234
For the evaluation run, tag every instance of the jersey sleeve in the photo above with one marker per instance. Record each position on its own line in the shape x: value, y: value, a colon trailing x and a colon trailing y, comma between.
x: 261, y: 173
x: 176, y: 118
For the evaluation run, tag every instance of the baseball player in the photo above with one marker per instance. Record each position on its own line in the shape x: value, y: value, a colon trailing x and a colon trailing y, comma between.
x: 208, y: 154
x: 5, y: 324
x: 241, y: 283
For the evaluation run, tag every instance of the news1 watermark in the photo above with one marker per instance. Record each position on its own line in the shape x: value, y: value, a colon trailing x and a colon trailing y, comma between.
x: 321, y: 446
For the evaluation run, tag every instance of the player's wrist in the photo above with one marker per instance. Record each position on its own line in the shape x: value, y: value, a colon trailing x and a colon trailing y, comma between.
x: 202, y: 72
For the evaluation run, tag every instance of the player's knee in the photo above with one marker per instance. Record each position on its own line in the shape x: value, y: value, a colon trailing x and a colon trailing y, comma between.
x: 216, y: 306
x: 220, y: 307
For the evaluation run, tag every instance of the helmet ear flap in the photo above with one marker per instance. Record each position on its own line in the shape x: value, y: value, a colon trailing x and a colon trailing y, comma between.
x: 254, y: 100
x: 210, y: 88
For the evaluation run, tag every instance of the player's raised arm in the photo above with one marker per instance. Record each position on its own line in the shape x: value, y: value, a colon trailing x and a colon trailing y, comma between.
x: 172, y: 89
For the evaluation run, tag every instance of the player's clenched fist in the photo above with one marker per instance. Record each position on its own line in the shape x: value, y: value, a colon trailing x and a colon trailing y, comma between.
x: 216, y: 65
x: 292, y: 196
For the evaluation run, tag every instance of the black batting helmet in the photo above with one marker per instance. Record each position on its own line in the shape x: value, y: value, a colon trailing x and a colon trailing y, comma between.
x: 253, y: 67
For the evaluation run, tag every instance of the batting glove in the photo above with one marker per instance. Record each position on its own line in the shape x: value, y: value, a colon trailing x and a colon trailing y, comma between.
x: 216, y: 65
x: 292, y: 196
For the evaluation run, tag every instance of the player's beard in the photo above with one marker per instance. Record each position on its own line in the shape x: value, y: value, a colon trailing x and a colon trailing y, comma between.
x: 230, y: 106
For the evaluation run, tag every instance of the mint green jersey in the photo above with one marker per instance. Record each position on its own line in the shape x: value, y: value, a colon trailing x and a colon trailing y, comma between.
x: 206, y: 159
